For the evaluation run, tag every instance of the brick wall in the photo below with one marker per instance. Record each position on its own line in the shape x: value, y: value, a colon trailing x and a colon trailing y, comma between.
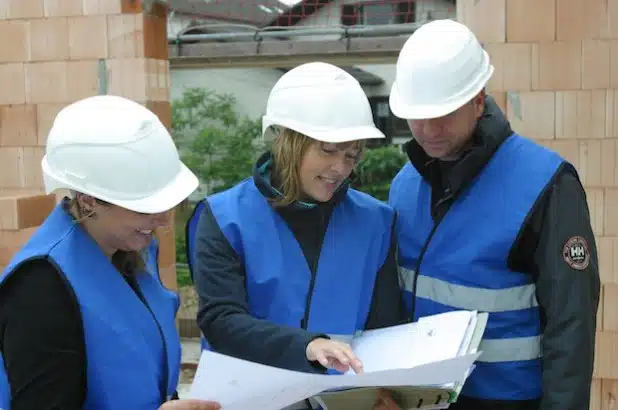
x: 557, y: 74
x: 56, y: 51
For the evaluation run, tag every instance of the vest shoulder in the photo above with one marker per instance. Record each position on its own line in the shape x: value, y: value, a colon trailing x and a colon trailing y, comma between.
x: 526, y: 146
x: 406, y: 173
x: 368, y: 201
x: 243, y: 187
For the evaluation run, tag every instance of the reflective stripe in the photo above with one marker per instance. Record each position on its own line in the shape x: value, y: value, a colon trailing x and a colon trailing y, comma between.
x: 508, y: 350
x: 465, y: 297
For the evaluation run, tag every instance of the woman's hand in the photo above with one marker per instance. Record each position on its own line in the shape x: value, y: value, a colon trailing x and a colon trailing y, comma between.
x: 190, y: 405
x: 333, y: 354
x: 385, y: 401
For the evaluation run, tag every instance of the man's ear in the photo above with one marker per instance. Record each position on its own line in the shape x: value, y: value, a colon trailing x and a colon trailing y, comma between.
x: 479, y: 103
x: 87, y: 203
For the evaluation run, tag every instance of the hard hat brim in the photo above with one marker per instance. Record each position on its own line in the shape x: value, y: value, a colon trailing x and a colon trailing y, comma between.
x: 330, y: 136
x: 407, y: 111
x: 167, y: 198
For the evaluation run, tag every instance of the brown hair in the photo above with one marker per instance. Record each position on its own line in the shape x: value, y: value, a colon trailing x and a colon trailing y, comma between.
x: 127, y: 262
x: 289, y: 148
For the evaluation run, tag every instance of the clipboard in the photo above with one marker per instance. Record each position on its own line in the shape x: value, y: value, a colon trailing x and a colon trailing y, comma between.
x: 408, y: 398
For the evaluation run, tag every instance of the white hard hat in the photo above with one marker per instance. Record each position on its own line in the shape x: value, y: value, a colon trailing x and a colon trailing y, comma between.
x: 116, y: 150
x: 440, y: 68
x: 323, y: 102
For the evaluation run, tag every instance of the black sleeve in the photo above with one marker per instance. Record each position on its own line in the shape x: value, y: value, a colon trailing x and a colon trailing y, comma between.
x: 224, y: 316
x: 568, y: 288
x: 41, y: 338
x: 387, y: 305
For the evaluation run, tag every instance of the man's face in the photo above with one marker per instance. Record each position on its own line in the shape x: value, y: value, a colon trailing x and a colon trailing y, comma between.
x: 445, y: 137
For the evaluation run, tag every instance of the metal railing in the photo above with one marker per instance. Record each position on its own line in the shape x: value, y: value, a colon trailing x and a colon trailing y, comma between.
x: 258, y: 34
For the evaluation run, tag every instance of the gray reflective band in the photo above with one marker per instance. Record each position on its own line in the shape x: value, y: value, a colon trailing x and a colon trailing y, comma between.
x: 507, y: 350
x: 484, y: 300
x: 464, y: 297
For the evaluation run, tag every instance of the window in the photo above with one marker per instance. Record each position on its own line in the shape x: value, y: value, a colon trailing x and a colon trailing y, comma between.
x: 381, y: 12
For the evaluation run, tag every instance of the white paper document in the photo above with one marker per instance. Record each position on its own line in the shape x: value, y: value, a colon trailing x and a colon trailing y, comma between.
x: 431, y: 339
x: 240, y: 385
x: 435, y: 351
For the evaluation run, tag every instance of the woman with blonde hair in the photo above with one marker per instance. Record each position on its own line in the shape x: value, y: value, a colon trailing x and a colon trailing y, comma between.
x: 290, y: 263
x: 85, y: 320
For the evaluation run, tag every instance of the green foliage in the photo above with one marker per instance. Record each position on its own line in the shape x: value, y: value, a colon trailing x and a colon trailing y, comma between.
x: 181, y: 215
x: 215, y: 142
x: 377, y: 169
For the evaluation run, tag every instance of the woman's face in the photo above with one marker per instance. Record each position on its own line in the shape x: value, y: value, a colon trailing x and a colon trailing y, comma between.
x: 115, y: 228
x: 325, y: 167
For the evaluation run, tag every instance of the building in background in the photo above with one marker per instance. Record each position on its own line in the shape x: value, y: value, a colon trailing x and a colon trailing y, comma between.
x: 251, y: 86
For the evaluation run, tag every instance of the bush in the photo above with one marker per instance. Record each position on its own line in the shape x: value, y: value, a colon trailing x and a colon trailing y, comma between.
x: 377, y: 169
x: 215, y: 142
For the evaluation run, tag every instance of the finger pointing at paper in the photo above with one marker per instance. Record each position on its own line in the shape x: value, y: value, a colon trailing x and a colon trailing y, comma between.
x: 333, y: 354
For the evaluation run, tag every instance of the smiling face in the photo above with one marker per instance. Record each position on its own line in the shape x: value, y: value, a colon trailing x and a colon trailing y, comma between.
x: 126, y: 230
x: 115, y: 228
x: 325, y: 166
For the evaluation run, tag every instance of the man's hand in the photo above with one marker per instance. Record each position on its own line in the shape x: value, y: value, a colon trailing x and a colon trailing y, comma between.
x: 385, y: 401
x: 333, y: 354
x: 190, y: 405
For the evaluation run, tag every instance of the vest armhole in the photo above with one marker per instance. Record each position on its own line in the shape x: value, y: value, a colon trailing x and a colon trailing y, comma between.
x: 539, y: 204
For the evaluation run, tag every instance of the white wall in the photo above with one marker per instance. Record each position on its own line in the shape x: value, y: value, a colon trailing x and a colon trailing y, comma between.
x: 250, y: 86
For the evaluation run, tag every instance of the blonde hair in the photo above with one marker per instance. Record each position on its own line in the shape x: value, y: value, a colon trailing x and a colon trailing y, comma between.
x: 288, y: 149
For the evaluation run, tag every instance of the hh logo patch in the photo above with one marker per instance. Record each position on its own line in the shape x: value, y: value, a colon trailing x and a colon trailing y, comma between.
x: 575, y: 253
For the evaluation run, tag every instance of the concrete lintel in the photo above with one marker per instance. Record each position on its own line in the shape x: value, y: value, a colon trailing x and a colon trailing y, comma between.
x: 286, y: 53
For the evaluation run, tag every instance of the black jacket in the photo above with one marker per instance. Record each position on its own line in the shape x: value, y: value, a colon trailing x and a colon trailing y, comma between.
x: 219, y: 278
x: 568, y: 296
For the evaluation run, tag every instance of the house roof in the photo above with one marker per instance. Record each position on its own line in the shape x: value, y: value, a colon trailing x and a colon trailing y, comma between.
x: 253, y: 12
x: 259, y: 13
x: 298, y: 12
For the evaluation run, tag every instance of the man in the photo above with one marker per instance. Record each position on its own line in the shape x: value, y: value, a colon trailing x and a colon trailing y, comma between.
x: 491, y: 221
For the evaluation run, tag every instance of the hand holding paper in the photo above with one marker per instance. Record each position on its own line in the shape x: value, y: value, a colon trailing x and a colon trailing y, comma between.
x: 385, y: 401
x: 190, y: 405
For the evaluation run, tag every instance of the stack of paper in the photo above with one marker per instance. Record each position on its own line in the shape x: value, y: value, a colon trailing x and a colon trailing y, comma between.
x: 424, y: 364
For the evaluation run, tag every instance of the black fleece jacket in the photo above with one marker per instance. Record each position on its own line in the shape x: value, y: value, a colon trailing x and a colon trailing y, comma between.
x: 568, y: 296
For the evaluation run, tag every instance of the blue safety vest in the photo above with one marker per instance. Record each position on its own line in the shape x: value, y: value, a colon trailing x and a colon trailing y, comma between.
x: 278, y: 277
x: 190, y: 232
x: 132, y: 350
x: 5, y: 388
x: 464, y: 266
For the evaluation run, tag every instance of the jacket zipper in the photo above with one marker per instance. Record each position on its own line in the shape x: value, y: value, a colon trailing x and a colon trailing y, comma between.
x: 313, y: 269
